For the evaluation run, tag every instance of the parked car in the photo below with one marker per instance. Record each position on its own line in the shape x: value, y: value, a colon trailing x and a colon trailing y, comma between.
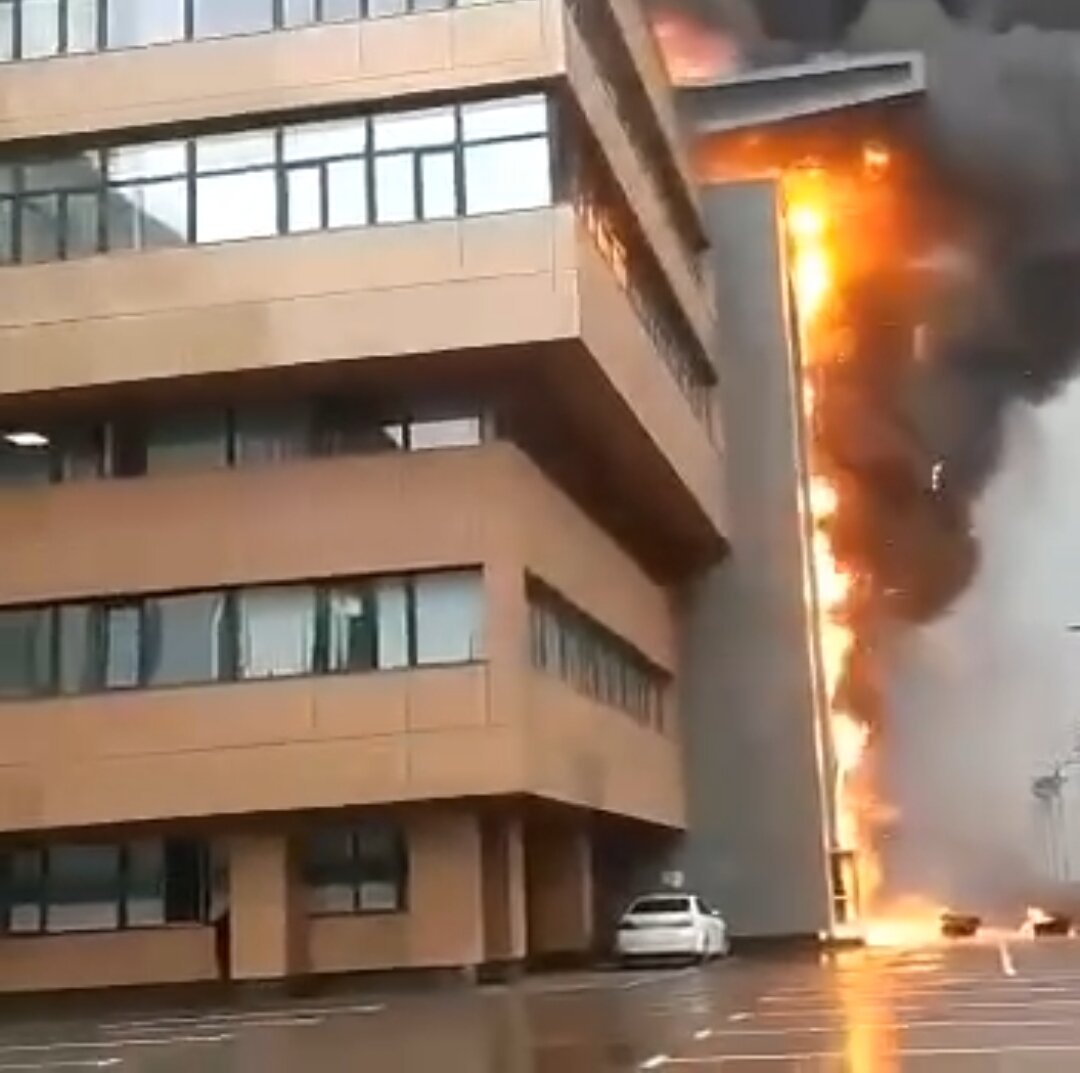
x: 671, y: 926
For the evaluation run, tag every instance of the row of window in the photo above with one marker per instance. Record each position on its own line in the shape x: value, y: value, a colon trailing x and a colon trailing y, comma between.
x: 217, y: 437
x: 242, y: 635
x: 676, y: 344
x: 566, y: 642
x: 151, y: 883
x: 437, y: 163
x: 35, y: 29
x: 598, y: 26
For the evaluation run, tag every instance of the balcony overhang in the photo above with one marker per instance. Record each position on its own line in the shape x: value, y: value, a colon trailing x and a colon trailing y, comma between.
x: 799, y: 91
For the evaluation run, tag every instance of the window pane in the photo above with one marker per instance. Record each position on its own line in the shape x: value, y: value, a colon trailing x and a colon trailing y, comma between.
x: 187, y: 872
x: 504, y: 119
x: 393, y: 611
x: 25, y: 652
x: 347, y: 182
x: 82, y: 20
x: 160, y: 160
x: 224, y: 152
x: 340, y: 10
x: 24, y: 891
x: 414, y: 130
x: 305, y: 199
x: 298, y: 12
x: 435, y: 435
x: 40, y: 28
x: 144, y: 215
x: 507, y: 175
x: 145, y: 884
x: 144, y: 22
x: 7, y: 30
x: 395, y: 189
x: 273, y: 433
x: 81, y: 226
x: 80, y: 452
x: 378, y: 9
x: 122, y: 644
x: 448, y: 618
x: 277, y: 632
x: 79, y: 668
x: 321, y: 141
x: 183, y: 639
x: 439, y: 186
x: 23, y: 465
x: 186, y: 441
x: 81, y: 172
x: 82, y: 888
x: 353, y: 630
x: 7, y: 230
x: 236, y: 206
x: 40, y: 217
x: 218, y: 18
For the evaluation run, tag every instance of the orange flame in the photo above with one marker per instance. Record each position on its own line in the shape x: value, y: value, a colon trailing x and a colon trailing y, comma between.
x: 692, y: 52
x: 810, y: 216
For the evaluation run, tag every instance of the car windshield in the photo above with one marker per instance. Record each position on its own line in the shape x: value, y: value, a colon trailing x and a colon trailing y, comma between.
x: 660, y: 905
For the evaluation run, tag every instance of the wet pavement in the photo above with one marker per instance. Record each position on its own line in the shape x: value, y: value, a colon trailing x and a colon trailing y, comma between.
x: 1009, y: 1006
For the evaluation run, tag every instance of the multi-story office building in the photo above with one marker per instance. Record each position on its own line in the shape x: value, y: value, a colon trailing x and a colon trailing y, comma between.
x: 358, y: 432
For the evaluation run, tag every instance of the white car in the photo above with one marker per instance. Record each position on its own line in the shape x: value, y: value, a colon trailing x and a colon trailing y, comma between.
x: 671, y: 925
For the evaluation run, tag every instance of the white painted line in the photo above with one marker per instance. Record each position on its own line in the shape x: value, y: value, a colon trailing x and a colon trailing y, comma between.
x: 911, y: 1052
x: 656, y: 1062
x: 110, y: 1044
x: 702, y: 1034
x: 230, y: 1017
x: 92, y: 1063
x: 735, y: 1018
x: 1008, y: 966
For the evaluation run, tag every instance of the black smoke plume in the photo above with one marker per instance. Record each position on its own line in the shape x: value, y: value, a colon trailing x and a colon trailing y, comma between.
x: 917, y: 442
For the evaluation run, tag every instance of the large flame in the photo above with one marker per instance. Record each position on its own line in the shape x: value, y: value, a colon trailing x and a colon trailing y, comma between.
x: 812, y: 203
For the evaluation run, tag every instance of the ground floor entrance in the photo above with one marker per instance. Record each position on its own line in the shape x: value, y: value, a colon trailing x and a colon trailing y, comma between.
x: 428, y: 887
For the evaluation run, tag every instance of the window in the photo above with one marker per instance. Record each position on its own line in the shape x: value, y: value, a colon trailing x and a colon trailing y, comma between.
x: 103, y: 887
x: 344, y: 627
x: 185, y: 639
x: 186, y: 441
x: 144, y: 22
x: 448, y: 618
x: 122, y: 636
x: 362, y: 869
x: 146, y: 202
x: 235, y: 187
x: 507, y: 155
x: 415, y: 176
x: 220, y: 18
x: 273, y: 433
x: 24, y: 464
x: 326, y: 175
x: 439, y: 435
x: 565, y: 642
x: 277, y: 632
x: 353, y: 629
x: 25, y: 652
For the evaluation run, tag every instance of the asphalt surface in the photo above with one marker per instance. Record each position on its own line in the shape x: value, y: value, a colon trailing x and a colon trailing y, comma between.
x: 1008, y: 1005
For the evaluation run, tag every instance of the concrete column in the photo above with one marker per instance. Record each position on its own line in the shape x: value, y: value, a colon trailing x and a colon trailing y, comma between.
x: 266, y: 911
x: 559, y: 886
x: 503, y: 865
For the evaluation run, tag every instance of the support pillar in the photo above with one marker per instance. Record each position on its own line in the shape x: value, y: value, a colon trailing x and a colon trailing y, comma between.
x: 559, y: 885
x: 503, y: 864
x: 267, y: 921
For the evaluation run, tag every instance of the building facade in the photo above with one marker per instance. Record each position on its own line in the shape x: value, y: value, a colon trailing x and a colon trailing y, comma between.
x: 358, y: 438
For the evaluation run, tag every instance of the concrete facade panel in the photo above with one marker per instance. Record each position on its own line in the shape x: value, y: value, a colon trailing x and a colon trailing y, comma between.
x: 757, y: 843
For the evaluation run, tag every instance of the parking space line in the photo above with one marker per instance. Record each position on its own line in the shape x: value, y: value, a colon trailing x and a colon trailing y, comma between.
x: 1008, y: 966
x: 88, y: 1063
x: 240, y: 1016
x: 837, y: 1055
x: 53, y: 1046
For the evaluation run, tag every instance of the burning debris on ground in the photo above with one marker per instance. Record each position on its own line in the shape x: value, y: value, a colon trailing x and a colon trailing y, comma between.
x: 934, y: 256
x: 960, y: 925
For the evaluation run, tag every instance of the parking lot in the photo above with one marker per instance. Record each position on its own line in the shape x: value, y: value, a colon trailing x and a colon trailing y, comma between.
x: 999, y: 1005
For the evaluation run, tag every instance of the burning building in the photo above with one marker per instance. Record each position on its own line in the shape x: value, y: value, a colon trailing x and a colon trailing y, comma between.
x: 891, y: 275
